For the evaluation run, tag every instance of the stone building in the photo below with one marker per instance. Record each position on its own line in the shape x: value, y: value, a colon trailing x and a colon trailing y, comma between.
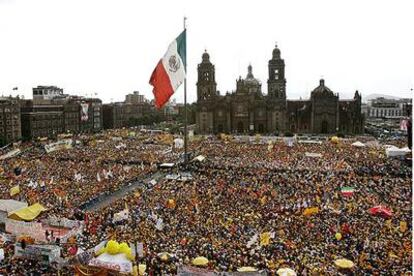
x: 10, y: 126
x: 388, y: 108
x: 45, y: 94
x: 45, y: 120
x: 249, y: 110
x: 120, y: 114
x: 134, y: 98
x: 51, y: 113
x: 71, y: 111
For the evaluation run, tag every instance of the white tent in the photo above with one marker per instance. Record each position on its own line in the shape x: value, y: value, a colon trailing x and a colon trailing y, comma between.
x: 358, y: 144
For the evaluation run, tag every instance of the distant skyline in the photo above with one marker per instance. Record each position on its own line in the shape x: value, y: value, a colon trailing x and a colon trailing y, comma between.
x: 110, y: 47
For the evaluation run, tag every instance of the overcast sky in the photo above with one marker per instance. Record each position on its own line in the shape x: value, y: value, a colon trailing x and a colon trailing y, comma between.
x: 111, y: 47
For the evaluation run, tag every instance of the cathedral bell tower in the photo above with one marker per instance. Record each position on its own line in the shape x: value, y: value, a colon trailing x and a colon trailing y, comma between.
x: 276, y: 84
x: 206, y: 84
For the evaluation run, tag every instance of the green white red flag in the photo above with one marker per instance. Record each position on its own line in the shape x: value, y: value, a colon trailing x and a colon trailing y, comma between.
x: 347, y: 191
x: 170, y: 71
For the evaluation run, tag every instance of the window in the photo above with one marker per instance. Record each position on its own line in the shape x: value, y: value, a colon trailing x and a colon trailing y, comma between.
x: 206, y: 76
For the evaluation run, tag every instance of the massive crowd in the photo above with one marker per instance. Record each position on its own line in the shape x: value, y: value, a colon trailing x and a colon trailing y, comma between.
x: 240, y: 191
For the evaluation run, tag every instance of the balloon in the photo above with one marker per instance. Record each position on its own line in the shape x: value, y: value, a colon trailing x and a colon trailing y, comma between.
x: 129, y: 255
x: 335, y: 139
x: 338, y: 236
x: 112, y: 247
x: 124, y: 248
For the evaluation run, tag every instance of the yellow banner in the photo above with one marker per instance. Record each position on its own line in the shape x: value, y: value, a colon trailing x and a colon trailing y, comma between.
x: 265, y: 238
x: 14, y: 190
x: 311, y: 211
x: 28, y: 213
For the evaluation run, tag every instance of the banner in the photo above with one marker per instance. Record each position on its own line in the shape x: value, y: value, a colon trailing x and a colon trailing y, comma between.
x: 20, y: 228
x: 14, y: 190
x: 120, y: 216
x: 112, y: 262
x: 311, y: 211
x: 82, y: 258
x: 10, y: 154
x: 403, y: 124
x: 186, y: 270
x: 313, y: 154
x: 140, y: 249
x: 84, y: 111
x: 59, y: 145
x: 62, y: 222
x: 178, y: 143
x: 45, y: 254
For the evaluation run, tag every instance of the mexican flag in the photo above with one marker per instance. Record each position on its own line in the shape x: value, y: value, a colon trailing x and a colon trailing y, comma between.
x: 170, y: 71
x: 347, y: 191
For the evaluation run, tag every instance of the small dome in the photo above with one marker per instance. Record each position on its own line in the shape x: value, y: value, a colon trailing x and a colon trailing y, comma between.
x: 206, y: 56
x: 250, y: 78
x: 322, y: 90
x: 276, y: 53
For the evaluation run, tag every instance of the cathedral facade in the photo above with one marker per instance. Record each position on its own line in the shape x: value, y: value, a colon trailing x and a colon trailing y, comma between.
x: 249, y: 110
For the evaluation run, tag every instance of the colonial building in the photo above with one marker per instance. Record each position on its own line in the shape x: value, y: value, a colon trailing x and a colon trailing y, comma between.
x: 51, y: 113
x: 388, y: 108
x: 10, y: 128
x: 45, y: 120
x: 122, y: 114
x: 249, y: 110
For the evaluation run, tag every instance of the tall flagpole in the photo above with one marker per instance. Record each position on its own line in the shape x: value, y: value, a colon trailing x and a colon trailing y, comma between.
x: 185, y: 99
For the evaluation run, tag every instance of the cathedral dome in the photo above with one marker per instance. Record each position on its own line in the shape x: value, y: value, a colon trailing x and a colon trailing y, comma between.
x: 250, y: 79
x: 322, y: 90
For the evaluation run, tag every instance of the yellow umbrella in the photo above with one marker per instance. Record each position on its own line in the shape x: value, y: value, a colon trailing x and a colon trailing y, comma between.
x: 246, y: 269
x: 286, y: 272
x: 344, y: 263
x: 200, y: 261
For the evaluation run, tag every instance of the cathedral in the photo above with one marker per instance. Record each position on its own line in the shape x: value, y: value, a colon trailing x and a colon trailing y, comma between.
x: 248, y: 110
